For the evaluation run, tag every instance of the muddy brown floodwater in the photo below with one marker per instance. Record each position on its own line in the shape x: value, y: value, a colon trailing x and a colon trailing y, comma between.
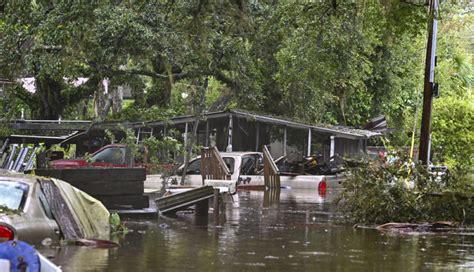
x: 296, y: 232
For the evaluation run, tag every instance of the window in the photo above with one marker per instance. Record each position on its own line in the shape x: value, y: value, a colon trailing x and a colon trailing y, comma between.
x: 194, y: 168
x: 45, y: 205
x: 248, y: 165
x: 110, y: 155
x: 13, y: 194
x: 230, y: 164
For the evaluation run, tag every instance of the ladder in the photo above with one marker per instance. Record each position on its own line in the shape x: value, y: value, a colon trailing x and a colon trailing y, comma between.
x: 144, y: 133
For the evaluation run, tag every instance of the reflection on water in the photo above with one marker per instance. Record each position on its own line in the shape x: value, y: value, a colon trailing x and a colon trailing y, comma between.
x: 290, y: 230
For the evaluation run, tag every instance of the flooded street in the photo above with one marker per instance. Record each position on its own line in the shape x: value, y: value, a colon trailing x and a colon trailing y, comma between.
x: 298, y: 232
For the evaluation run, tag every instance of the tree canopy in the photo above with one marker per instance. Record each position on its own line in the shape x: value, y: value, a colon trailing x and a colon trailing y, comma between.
x: 336, y: 62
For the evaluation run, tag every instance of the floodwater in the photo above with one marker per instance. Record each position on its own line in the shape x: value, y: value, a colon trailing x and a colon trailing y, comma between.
x: 295, y: 231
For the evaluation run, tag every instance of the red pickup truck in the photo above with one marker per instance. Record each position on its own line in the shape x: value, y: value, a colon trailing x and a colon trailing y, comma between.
x: 113, y: 155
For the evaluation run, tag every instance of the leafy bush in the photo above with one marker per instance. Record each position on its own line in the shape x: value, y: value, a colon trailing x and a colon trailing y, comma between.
x: 453, y: 131
x: 116, y: 224
x: 379, y: 193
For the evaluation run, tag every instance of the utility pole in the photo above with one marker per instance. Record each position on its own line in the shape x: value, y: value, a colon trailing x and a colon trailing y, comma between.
x: 430, y: 87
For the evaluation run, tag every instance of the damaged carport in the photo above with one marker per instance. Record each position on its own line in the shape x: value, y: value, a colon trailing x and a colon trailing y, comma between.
x: 231, y: 130
x: 88, y: 136
x: 237, y: 130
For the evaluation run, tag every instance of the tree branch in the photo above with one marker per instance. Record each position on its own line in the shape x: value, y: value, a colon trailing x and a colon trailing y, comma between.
x: 224, y: 79
x: 76, y: 94
x: 143, y: 72
x: 24, y: 95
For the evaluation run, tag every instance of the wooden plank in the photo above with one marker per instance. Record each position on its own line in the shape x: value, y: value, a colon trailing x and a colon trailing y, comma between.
x: 184, y: 199
x: 271, y: 173
x: 124, y: 201
x: 95, y: 174
x: 60, y: 211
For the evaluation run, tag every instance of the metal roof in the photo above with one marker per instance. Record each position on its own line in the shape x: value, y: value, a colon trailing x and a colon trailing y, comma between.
x: 338, y: 131
x: 81, y: 125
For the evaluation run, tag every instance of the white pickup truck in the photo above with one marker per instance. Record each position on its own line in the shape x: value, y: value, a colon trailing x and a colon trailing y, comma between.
x: 245, y: 167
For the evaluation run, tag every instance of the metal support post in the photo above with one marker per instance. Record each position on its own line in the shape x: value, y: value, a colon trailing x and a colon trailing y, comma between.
x: 309, y: 143
x: 332, y: 149
x: 229, y: 136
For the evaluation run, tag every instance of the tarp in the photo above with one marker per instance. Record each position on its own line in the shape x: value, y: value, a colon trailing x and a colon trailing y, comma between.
x: 89, y: 213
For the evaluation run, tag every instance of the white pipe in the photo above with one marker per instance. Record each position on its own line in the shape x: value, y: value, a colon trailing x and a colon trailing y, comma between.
x: 309, y: 143
x: 229, y: 136
x: 332, y: 149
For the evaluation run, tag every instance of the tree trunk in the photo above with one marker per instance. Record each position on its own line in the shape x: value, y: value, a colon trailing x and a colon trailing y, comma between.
x: 117, y: 98
x: 163, y: 87
x: 341, y: 94
x: 199, y: 109
x: 50, y: 105
x: 102, y: 103
x: 161, y: 95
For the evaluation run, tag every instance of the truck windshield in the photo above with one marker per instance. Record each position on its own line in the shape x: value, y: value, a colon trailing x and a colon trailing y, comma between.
x: 13, y: 194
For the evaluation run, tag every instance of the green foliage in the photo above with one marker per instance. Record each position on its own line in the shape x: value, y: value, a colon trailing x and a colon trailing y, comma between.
x: 5, y: 131
x: 160, y: 150
x: 215, y: 90
x: 379, y: 193
x: 453, y: 132
x: 337, y: 62
x: 165, y: 147
x: 41, y: 40
x: 130, y: 140
x: 341, y: 63
x: 116, y: 225
x: 110, y: 135
x: 136, y: 113
x: 69, y: 151
x: 12, y: 105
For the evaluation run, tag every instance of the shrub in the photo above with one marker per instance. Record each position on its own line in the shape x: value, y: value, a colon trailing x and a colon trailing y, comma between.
x: 379, y: 193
